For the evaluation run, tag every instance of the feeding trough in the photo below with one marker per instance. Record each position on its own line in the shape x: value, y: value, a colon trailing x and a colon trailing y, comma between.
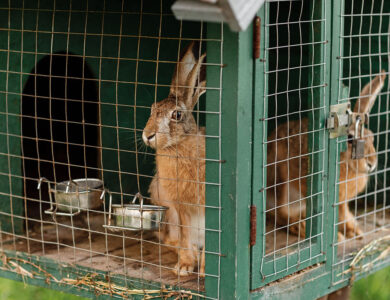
x: 135, y: 217
x: 73, y: 196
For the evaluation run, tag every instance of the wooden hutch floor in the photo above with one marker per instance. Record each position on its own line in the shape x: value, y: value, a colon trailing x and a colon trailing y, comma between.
x: 124, y: 253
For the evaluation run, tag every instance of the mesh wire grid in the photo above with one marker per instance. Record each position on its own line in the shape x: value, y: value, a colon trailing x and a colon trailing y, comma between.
x: 363, y: 56
x: 78, y: 82
x: 293, y: 138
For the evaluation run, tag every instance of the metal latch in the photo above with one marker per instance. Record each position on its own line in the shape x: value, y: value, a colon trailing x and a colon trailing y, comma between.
x: 358, y: 144
x: 341, y: 118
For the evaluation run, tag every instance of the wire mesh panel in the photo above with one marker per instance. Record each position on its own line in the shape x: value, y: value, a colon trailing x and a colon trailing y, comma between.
x: 294, y: 139
x: 363, y: 181
x: 101, y: 106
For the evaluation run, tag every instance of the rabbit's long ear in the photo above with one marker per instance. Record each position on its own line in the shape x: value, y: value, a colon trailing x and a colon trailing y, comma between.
x: 182, y: 71
x: 196, y: 84
x: 188, y: 82
x: 369, y: 94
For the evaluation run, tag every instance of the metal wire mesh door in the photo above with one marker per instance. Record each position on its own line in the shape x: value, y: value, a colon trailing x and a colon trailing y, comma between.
x: 81, y: 81
x: 362, y: 206
x: 292, y: 150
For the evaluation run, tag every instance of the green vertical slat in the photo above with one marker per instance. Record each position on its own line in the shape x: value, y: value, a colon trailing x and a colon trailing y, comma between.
x: 236, y: 150
x: 333, y: 150
x: 259, y: 155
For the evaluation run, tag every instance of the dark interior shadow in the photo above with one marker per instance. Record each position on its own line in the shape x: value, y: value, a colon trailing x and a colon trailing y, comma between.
x: 60, y: 117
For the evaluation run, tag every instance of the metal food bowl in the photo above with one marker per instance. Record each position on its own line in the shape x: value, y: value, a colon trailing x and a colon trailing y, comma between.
x: 70, y: 197
x: 135, y: 216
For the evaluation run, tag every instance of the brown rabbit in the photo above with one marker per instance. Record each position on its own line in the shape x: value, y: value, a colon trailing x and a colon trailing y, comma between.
x: 288, y: 163
x: 180, y: 162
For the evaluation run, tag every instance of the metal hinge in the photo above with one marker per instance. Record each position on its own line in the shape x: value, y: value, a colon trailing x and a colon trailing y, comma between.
x: 253, y: 225
x: 256, y: 37
x: 341, y: 118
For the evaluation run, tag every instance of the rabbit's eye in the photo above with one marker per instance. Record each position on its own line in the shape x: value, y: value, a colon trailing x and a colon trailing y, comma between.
x: 176, y: 115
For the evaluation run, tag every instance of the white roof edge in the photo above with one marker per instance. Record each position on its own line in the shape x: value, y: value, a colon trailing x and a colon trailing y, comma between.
x: 237, y: 13
x: 240, y: 13
x: 195, y: 10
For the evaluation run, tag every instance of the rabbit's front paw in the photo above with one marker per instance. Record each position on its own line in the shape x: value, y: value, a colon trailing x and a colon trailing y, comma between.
x: 171, y: 242
x: 186, y: 263
x: 353, y: 230
x: 340, y: 237
x: 202, y: 264
x: 183, y: 270
x: 298, y: 229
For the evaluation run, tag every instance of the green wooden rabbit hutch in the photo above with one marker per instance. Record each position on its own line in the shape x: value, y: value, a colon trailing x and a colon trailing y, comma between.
x: 77, y: 80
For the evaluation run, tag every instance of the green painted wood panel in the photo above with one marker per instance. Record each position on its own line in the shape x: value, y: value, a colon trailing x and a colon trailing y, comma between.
x: 236, y: 137
x: 259, y: 155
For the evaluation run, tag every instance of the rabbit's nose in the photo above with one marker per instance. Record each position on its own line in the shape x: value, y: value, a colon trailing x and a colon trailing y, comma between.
x: 151, y: 136
x: 371, y: 166
x: 147, y: 138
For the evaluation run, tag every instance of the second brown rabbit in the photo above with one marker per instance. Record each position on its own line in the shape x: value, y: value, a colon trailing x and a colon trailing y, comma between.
x: 288, y: 164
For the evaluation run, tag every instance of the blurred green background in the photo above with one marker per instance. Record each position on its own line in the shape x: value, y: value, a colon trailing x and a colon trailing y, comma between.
x: 15, y: 290
x: 375, y: 287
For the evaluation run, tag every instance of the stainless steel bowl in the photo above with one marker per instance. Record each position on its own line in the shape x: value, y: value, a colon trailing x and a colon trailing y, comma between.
x: 72, y: 196
x: 83, y: 193
x: 137, y: 217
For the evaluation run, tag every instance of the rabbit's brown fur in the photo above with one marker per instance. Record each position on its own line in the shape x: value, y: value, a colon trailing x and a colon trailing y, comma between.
x: 288, y: 163
x: 180, y: 163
